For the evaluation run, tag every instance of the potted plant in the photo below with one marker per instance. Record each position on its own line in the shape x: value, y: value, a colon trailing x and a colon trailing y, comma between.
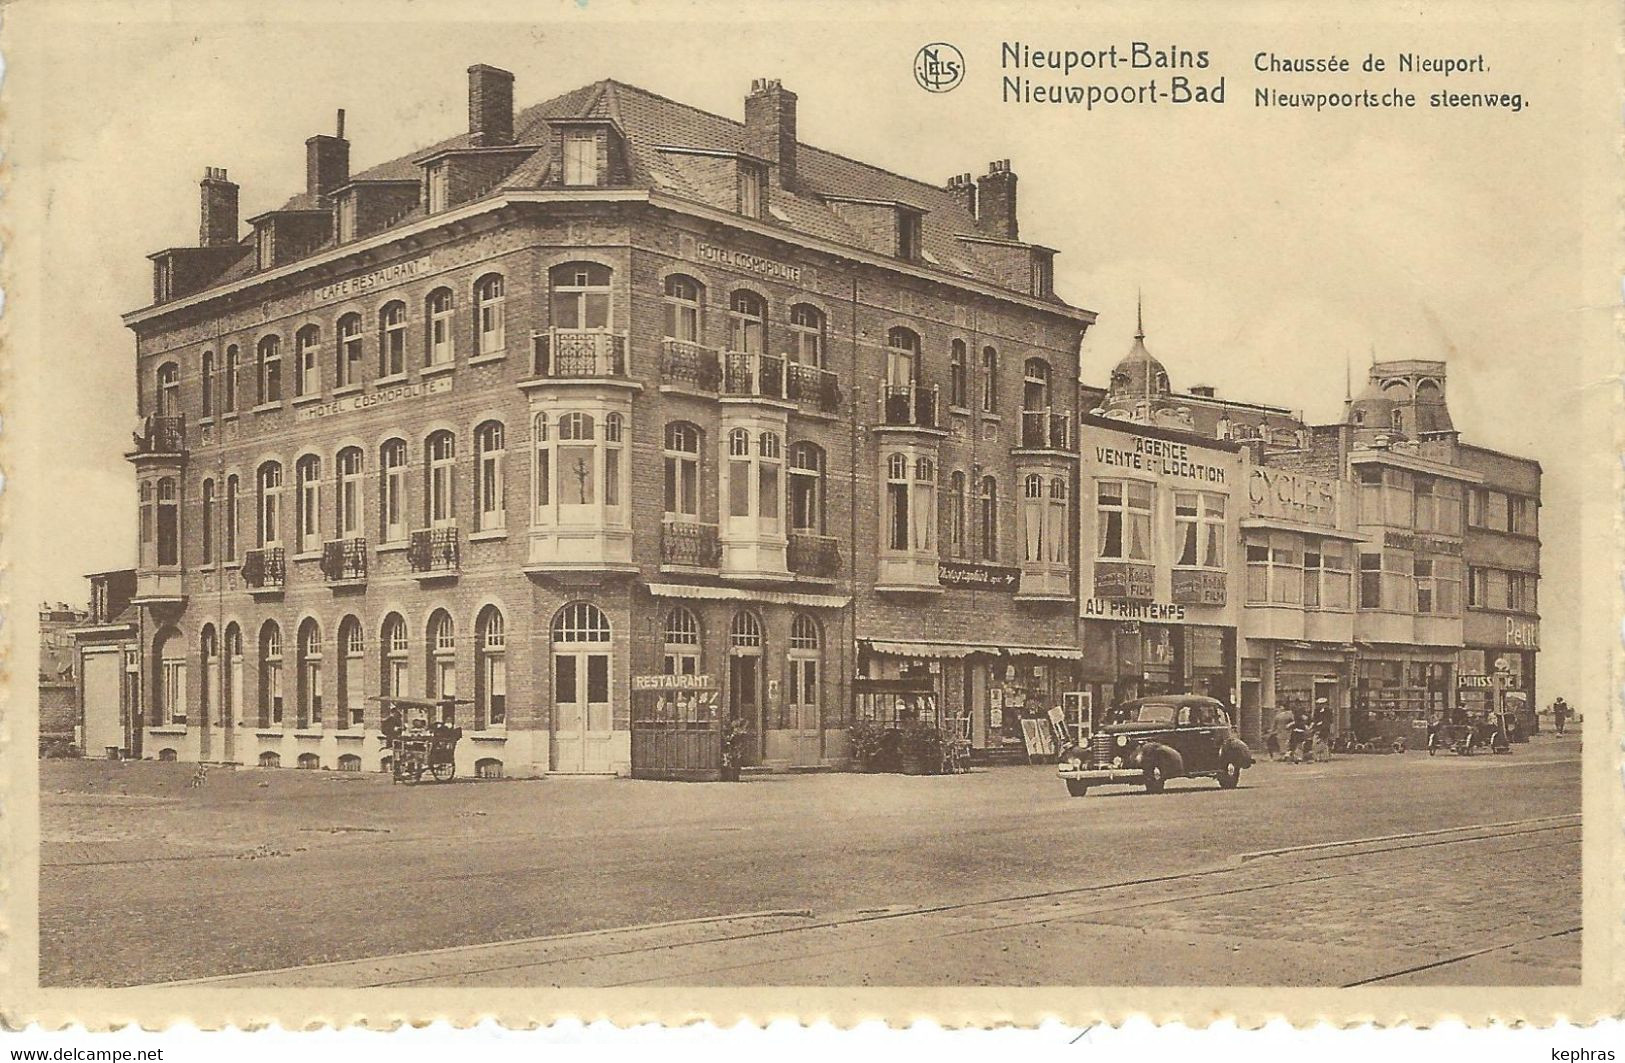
x: 736, y: 737
x: 923, y: 747
x: 870, y: 743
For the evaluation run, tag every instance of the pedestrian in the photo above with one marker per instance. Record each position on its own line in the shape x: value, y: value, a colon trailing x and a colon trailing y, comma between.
x: 1560, y: 714
x: 1280, y: 731
x: 1298, y: 744
x: 1320, y: 735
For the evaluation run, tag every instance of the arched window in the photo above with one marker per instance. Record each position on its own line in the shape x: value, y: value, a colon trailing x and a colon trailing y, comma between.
x: 682, y: 454
x: 490, y: 669
x: 348, y: 510
x: 490, y: 478
x: 270, y: 759
x: 208, y: 383
x: 807, y: 335
x: 956, y: 374
x: 352, y: 693
x: 270, y: 504
x: 745, y: 631
x: 579, y: 469
x: 169, y: 390
x: 310, y: 675
x: 956, y: 513
x: 684, y: 301
x: 490, y: 332
x: 988, y: 499
x: 580, y: 296
x: 392, y: 339
x: 1035, y: 385
x: 440, y: 486
x: 754, y: 482
x: 798, y: 710
x: 308, y: 503
x: 309, y: 761
x: 307, y: 373
x: 807, y: 488
x: 169, y: 705
x: 681, y: 644
x: 910, y: 503
x: 208, y: 707
x: 747, y: 322
x: 270, y: 370
x: 169, y: 522
x: 349, y: 762
x: 990, y: 379
x: 902, y: 357
x: 228, y: 536
x: 228, y: 401
x: 441, y: 348
x: 231, y: 688
x: 270, y: 675
x: 392, y: 490
x: 208, y: 522
x: 581, y: 622
x: 441, y: 674
x: 394, y: 657
x: 349, y: 352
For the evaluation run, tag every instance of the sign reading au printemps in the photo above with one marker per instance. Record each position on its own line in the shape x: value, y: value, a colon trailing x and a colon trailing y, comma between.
x: 750, y: 263
x: 971, y: 574
x: 382, y: 397
x: 1115, y: 609
x: 1291, y: 496
x: 366, y: 282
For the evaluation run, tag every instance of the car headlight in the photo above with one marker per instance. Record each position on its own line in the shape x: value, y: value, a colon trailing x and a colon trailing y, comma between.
x: 1117, y: 762
x: 1122, y: 740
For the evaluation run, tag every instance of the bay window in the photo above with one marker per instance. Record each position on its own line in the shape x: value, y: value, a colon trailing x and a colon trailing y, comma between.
x: 910, y: 503
x: 1123, y: 520
x: 169, y: 522
x: 579, y: 468
x: 754, y: 480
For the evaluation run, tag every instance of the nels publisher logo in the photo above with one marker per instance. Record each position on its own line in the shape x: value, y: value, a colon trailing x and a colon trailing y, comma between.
x: 939, y: 67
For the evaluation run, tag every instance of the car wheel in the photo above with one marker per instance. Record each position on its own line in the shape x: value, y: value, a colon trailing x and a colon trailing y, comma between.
x: 1077, y: 787
x: 1229, y: 773
x: 1154, y: 778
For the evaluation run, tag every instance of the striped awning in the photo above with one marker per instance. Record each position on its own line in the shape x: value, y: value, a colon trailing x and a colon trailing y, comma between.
x: 965, y: 649
x: 748, y: 594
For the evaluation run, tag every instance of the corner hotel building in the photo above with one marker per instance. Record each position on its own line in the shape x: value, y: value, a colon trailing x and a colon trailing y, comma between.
x: 603, y: 388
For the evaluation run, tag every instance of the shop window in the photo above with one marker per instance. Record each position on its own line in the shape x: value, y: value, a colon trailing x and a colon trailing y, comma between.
x: 352, y: 696
x: 490, y: 483
x: 490, y: 669
x: 684, y: 300
x: 956, y: 374
x: 348, y: 365
x: 392, y: 339
x: 307, y: 371
x: 270, y: 504
x: 440, y: 336
x: 806, y: 335
x: 1057, y: 527
x: 681, y: 643
x: 580, y: 296
x: 682, y: 458
x: 270, y: 675
x: 490, y: 329
x: 308, y: 503
x: 394, y: 657
x: 807, y: 488
x: 1123, y: 519
x: 310, y: 675
x: 392, y: 490
x: 270, y: 370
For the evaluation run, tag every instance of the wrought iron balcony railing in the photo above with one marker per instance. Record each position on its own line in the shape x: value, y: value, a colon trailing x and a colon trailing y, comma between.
x: 344, y: 560
x: 750, y: 375
x: 161, y: 435
x: 578, y: 354
x: 812, y: 387
x: 910, y: 406
x: 1046, y: 429
x: 435, y: 550
x: 818, y: 556
x: 689, y: 542
x: 689, y: 365
x: 265, y: 568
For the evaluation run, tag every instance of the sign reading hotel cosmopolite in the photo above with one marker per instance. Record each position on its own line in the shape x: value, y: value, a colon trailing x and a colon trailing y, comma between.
x: 750, y: 263
x: 381, y: 397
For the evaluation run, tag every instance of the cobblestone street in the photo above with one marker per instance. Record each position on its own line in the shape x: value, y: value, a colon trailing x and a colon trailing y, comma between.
x: 1392, y: 868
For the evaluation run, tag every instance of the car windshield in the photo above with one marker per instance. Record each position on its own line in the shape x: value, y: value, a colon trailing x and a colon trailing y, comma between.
x: 1155, y: 714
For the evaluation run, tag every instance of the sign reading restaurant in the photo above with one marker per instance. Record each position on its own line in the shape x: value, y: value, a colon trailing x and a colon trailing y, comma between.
x: 383, y: 397
x: 366, y: 282
x: 750, y: 263
x: 1161, y: 457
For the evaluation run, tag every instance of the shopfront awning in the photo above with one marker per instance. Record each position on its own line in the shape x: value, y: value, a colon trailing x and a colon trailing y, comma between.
x: 748, y: 594
x: 965, y: 649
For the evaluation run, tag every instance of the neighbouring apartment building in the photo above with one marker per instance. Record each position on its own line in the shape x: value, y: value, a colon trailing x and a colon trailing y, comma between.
x: 604, y: 388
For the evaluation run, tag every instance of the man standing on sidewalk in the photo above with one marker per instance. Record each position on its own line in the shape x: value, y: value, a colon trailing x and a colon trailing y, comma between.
x: 1560, y: 714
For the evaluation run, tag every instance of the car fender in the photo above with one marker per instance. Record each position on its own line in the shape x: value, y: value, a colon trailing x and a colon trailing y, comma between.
x: 1237, y: 750
x: 1173, y: 765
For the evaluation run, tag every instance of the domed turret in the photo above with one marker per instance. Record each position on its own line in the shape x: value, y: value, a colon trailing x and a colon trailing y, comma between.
x: 1372, y: 409
x: 1139, y: 388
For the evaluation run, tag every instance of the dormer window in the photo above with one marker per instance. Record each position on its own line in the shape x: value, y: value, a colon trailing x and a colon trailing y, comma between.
x: 752, y: 189
x: 439, y: 187
x: 580, y: 157
x: 1043, y: 275
x: 908, y: 235
x: 265, y: 246
x: 344, y: 211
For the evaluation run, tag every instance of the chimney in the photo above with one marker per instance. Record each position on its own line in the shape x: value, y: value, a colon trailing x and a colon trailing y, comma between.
x: 327, y: 161
x: 996, y: 200
x: 490, y: 106
x: 770, y: 127
x: 963, y: 189
x: 218, y: 218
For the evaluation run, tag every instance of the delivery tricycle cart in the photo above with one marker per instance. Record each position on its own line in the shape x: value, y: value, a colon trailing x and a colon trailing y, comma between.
x: 421, y: 738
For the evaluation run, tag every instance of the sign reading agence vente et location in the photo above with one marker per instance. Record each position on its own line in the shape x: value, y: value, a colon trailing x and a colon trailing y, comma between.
x: 750, y: 263
x: 382, y: 397
x: 366, y: 282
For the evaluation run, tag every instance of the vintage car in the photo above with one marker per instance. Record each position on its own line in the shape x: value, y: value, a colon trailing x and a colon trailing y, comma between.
x: 1151, y: 740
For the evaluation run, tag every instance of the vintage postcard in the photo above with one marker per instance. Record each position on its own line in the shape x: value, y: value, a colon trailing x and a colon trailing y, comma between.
x: 979, y: 512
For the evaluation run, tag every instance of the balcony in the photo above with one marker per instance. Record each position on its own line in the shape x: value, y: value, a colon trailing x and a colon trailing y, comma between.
x: 578, y: 354
x: 752, y: 376
x: 265, y: 570
x: 689, y: 543
x: 689, y: 365
x: 435, y: 553
x: 910, y: 406
x: 812, y: 388
x: 159, y: 437
x: 1047, y: 429
x: 344, y: 561
x: 1045, y: 581
x: 814, y: 556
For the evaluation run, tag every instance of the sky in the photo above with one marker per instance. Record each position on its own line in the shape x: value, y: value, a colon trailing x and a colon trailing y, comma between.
x: 1274, y: 250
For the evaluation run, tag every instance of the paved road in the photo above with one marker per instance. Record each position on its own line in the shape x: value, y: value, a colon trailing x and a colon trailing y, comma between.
x: 992, y: 878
